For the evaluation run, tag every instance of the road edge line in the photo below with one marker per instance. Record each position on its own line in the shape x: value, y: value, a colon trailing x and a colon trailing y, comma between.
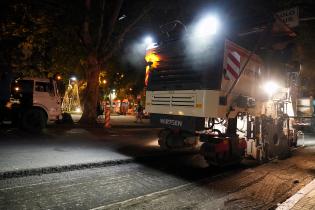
x: 290, y: 202
x: 119, y: 204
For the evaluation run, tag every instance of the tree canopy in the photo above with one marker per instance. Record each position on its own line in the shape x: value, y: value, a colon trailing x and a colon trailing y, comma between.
x: 88, y: 37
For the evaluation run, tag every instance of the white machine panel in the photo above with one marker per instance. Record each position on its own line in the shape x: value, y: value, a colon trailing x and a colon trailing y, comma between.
x: 197, y: 103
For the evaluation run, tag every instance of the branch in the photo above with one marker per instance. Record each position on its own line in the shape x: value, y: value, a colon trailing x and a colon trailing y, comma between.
x: 101, y: 25
x: 110, y: 26
x: 86, y: 29
x: 79, y: 34
x: 120, y: 38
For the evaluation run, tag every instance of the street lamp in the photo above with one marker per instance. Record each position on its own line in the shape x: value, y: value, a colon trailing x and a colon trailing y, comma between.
x: 112, y: 96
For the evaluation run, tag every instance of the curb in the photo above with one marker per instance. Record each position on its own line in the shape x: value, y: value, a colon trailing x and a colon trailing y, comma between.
x: 58, y: 169
x: 290, y: 202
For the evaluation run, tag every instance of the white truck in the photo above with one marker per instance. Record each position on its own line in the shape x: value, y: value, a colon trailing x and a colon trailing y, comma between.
x: 33, y: 103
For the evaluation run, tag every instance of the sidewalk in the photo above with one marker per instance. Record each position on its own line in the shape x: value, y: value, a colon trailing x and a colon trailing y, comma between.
x: 118, y: 120
x: 303, y: 199
x: 125, y: 120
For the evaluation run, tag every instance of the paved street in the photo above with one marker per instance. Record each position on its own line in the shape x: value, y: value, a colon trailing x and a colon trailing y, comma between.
x: 63, y: 145
x: 90, y: 188
x: 224, y: 93
x: 70, y: 167
x: 179, y: 184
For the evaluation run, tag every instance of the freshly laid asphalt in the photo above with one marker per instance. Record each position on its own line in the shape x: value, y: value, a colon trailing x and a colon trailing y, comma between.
x: 62, y: 147
x: 70, y: 161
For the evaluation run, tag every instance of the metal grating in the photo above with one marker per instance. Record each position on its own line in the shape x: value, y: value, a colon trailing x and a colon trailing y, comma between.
x: 183, y: 101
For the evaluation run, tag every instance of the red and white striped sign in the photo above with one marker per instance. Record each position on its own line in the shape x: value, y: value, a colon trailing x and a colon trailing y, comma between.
x: 233, y: 65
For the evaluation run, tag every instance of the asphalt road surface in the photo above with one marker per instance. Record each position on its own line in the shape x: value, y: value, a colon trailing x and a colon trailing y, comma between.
x: 163, y: 183
x: 151, y: 179
x: 64, y: 145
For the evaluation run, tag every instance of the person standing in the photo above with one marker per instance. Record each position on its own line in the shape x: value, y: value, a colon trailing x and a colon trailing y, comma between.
x: 124, y: 107
x: 139, y: 111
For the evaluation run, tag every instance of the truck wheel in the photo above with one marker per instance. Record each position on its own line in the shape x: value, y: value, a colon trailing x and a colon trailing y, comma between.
x: 34, y: 120
x: 163, y: 135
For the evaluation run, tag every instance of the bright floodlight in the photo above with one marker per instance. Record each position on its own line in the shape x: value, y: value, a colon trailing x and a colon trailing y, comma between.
x: 148, y: 40
x: 207, y: 26
x: 271, y: 87
x: 73, y: 78
x: 149, y: 43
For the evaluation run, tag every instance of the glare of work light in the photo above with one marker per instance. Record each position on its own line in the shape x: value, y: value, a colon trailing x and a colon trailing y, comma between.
x: 73, y: 78
x: 148, y: 40
x: 207, y: 26
x: 149, y: 43
x: 271, y: 87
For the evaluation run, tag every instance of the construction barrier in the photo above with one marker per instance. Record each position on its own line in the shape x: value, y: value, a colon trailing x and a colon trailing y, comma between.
x: 107, y: 115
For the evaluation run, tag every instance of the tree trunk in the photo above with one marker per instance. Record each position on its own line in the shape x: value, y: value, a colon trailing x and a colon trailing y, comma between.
x: 92, y: 91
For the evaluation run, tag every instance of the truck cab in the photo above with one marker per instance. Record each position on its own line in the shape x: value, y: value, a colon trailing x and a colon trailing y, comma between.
x: 34, y: 102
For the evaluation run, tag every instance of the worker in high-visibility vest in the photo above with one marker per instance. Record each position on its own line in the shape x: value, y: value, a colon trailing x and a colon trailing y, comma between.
x: 139, y: 110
